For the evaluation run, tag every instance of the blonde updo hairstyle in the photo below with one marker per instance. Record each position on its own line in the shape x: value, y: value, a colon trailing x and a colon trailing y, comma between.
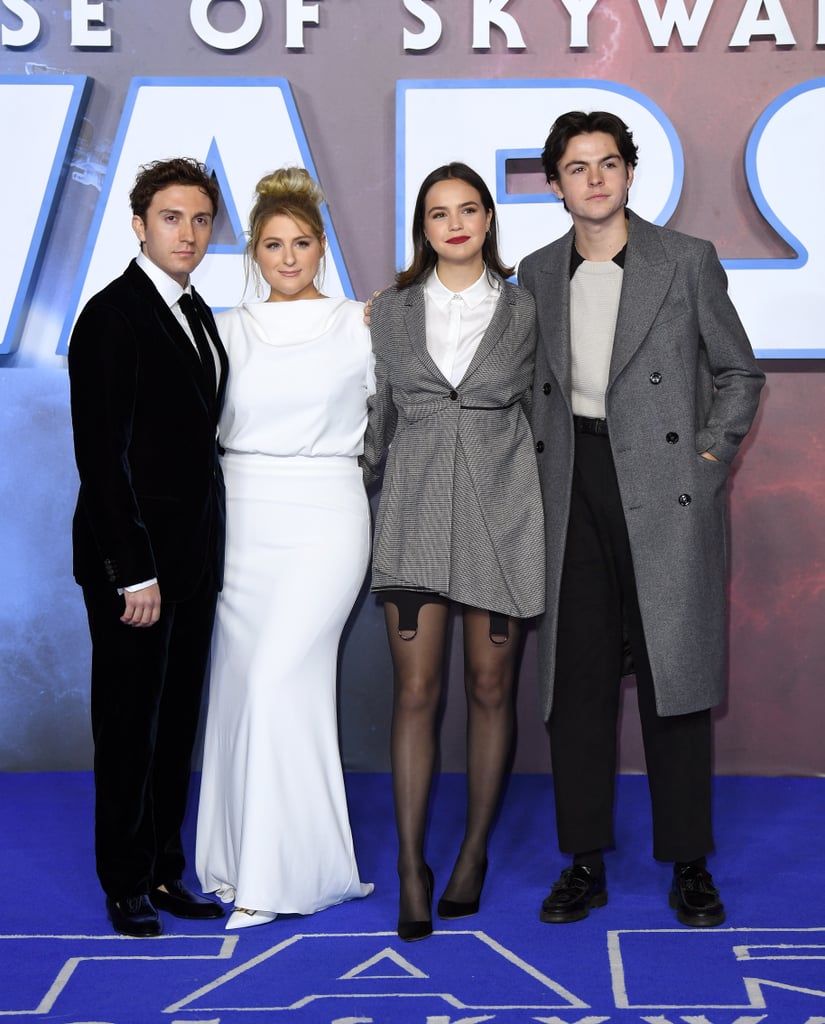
x: 289, y: 192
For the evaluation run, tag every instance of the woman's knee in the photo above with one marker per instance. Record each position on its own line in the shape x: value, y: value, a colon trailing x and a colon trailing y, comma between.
x: 489, y: 689
x: 417, y: 693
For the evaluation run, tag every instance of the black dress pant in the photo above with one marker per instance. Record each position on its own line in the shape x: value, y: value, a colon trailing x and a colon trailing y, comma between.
x: 598, y: 614
x: 146, y: 696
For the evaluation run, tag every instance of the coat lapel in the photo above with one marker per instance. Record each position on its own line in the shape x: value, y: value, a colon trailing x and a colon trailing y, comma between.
x: 553, y: 307
x: 416, y: 326
x: 648, y: 274
x: 166, y: 319
x: 495, y: 329
x: 178, y: 338
x: 212, y: 330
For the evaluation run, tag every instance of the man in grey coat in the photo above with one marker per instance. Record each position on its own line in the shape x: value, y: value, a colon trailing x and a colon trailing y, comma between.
x: 645, y: 386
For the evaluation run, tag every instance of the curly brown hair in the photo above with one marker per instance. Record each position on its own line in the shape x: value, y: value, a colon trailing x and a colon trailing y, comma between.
x: 161, y: 174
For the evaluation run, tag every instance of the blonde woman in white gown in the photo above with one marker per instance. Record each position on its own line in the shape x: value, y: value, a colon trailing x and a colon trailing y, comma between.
x: 273, y: 830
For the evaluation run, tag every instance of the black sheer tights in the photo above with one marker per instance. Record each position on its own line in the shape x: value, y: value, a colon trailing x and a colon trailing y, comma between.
x: 489, y: 665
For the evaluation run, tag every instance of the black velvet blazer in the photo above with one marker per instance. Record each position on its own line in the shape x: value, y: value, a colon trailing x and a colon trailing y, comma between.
x: 151, y: 500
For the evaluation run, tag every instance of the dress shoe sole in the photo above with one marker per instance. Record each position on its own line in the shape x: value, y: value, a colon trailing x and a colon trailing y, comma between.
x: 696, y: 918
x: 206, y: 911
x: 150, y: 932
x: 569, y: 916
x: 192, y: 914
x: 146, y: 930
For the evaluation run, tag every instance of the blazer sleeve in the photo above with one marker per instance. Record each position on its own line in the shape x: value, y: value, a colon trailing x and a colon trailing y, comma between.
x: 526, y: 273
x: 526, y: 307
x: 737, y: 379
x: 103, y: 371
x: 382, y: 415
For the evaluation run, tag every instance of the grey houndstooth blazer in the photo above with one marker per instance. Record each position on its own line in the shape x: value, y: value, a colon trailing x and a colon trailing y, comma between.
x: 460, y: 512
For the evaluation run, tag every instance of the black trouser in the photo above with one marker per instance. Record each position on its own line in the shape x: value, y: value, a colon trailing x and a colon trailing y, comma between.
x: 146, y: 694
x: 598, y: 606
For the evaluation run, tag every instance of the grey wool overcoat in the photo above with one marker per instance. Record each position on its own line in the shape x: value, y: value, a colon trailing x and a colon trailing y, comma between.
x: 682, y: 380
x: 460, y: 511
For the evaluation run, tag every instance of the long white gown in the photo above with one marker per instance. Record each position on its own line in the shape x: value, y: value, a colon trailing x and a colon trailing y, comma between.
x: 273, y: 830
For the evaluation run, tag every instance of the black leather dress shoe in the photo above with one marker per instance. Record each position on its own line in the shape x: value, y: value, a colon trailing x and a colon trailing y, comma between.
x: 182, y: 902
x: 695, y: 898
x: 577, y: 890
x: 134, y: 916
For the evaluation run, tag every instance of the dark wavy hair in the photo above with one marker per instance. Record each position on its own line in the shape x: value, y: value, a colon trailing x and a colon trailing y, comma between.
x: 424, y: 256
x: 577, y: 122
x: 161, y: 174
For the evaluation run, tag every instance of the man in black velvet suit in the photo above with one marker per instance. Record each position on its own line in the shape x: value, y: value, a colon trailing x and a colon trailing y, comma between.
x: 148, y: 373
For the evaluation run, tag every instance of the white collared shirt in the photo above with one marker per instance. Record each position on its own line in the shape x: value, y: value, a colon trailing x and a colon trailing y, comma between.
x: 456, y: 322
x: 168, y: 289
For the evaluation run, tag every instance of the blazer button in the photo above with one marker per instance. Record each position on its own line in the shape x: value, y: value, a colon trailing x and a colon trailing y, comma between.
x: 539, y: 446
x: 453, y: 396
x: 684, y: 500
x: 672, y: 437
x: 546, y: 388
x: 655, y: 377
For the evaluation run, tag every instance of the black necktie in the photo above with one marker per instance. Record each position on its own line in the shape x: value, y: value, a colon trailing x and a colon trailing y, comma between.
x: 187, y: 306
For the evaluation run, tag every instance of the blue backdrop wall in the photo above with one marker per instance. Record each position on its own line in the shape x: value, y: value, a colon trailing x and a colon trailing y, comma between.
x: 370, y: 97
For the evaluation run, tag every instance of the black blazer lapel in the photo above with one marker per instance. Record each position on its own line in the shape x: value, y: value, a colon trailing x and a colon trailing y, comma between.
x: 208, y: 321
x: 165, y: 318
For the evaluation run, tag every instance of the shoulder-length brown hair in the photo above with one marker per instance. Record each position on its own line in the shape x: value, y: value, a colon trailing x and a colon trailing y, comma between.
x: 424, y: 256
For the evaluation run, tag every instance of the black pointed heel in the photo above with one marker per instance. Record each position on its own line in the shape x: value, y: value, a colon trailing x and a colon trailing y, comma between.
x: 451, y: 909
x: 411, y: 931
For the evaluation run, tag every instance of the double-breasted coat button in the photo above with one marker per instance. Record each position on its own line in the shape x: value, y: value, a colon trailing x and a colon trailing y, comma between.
x: 539, y: 446
x: 655, y: 377
x: 684, y: 500
x: 546, y: 387
x: 672, y: 437
x: 453, y: 396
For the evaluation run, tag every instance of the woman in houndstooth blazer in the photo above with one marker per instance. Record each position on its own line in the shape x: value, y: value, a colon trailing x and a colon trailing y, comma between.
x: 460, y: 520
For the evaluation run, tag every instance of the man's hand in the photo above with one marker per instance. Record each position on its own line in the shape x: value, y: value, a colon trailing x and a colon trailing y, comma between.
x: 142, y: 606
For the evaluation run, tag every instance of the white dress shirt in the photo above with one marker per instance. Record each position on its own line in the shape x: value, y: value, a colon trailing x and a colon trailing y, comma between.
x: 456, y: 322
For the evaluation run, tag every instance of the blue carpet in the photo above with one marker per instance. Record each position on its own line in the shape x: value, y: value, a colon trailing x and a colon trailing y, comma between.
x: 628, y: 962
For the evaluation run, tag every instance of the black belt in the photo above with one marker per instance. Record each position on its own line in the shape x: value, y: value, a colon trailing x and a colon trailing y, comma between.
x: 585, y: 425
